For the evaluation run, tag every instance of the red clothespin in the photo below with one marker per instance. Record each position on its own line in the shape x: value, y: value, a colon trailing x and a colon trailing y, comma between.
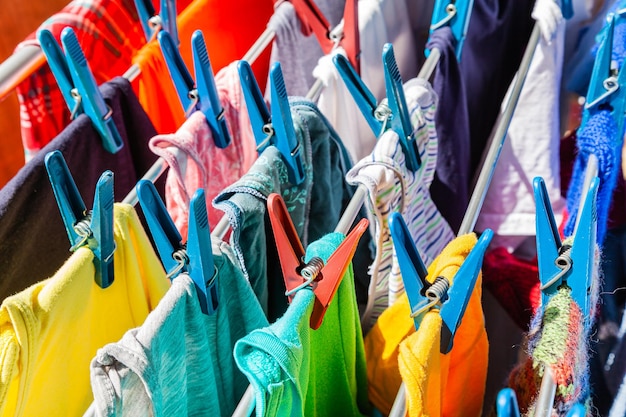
x: 323, y: 277
x: 313, y: 21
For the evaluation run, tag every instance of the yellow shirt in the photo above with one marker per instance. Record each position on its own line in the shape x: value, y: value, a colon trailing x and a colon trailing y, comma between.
x: 50, y: 332
x: 436, y: 384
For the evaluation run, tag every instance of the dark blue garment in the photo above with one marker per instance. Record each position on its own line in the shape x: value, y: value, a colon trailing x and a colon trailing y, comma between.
x: 33, y: 241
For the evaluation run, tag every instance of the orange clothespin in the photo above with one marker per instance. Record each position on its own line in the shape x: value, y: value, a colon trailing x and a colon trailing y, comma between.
x: 324, y: 278
x: 313, y: 21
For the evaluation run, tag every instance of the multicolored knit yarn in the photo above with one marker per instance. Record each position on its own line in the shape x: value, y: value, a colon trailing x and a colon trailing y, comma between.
x: 558, y: 338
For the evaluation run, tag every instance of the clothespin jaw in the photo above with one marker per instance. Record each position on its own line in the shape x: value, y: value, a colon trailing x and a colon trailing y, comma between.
x: 324, y: 278
x: 94, y: 229
x: 282, y: 123
x: 78, y: 86
x: 260, y: 118
x: 178, y: 70
x: 209, y: 101
x: 152, y: 23
x: 578, y: 410
x: 362, y: 95
x: 196, y: 257
x: 567, y: 9
x: 506, y: 403
x: 607, y: 86
x: 453, y: 13
x: 312, y: 20
x: 559, y: 264
x: 423, y: 295
x: 400, y: 121
x: 351, y: 40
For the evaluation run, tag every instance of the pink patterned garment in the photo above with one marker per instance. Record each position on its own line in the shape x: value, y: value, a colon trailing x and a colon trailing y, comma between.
x: 194, y: 160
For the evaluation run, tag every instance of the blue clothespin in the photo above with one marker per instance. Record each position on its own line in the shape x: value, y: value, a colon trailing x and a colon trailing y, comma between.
x: 94, y: 229
x: 560, y: 263
x: 506, y: 403
x: 196, y: 256
x: 201, y: 95
x: 275, y: 128
x: 578, y: 410
x: 152, y: 23
x: 379, y: 120
x: 451, y: 300
x: 453, y: 13
x: 607, y: 87
x: 78, y: 86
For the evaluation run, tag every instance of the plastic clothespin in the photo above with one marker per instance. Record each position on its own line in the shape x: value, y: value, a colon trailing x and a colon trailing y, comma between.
x: 561, y: 263
x: 423, y: 295
x: 312, y: 20
x: 202, y: 94
x: 152, y: 23
x: 607, y: 87
x: 78, y: 86
x: 399, y: 119
x: 506, y: 403
x: 323, y: 277
x: 94, y: 229
x: 196, y: 256
x: 578, y: 410
x: 275, y: 128
x: 453, y: 13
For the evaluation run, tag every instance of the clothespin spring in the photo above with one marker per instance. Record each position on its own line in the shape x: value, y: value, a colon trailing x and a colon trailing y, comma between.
x: 611, y: 85
x: 451, y: 11
x: 564, y: 262
x: 437, y: 293
x: 310, y: 271
x: 268, y: 129
x: 83, y: 229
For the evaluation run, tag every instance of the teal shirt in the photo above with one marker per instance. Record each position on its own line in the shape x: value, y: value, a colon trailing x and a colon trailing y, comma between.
x: 297, y: 371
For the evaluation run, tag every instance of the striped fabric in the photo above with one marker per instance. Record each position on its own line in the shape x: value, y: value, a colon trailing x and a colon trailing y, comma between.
x: 392, y: 187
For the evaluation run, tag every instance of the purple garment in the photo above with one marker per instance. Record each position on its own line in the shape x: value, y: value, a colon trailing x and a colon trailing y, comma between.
x: 452, y: 175
x: 496, y: 39
x: 33, y: 241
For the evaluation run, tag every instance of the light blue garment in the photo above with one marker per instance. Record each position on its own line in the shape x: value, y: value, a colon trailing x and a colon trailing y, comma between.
x: 179, y: 362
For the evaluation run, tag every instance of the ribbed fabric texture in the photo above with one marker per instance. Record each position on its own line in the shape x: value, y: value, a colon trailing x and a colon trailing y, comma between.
x: 598, y: 137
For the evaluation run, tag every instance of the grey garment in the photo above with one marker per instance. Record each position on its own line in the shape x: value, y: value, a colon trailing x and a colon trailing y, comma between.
x: 298, y: 54
x: 180, y: 361
x: 315, y: 206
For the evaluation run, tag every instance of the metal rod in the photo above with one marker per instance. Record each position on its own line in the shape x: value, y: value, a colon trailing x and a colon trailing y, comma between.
x: 18, y: 67
x: 246, y: 405
x: 221, y: 228
x: 152, y: 175
x: 430, y: 64
x: 259, y: 46
x: 399, y: 404
x: 498, y: 138
x: 352, y: 210
x: 545, y: 400
x: 132, y: 73
x: 315, y: 90
x: 591, y: 171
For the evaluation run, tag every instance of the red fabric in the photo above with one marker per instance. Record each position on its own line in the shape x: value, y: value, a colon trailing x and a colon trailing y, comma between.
x: 515, y: 284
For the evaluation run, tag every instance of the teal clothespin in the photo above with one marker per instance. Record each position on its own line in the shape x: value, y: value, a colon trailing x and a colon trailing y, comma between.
x: 578, y: 410
x: 95, y: 228
x: 201, y: 95
x: 453, y: 13
x: 506, y: 403
x: 152, y: 23
x: 275, y: 128
x: 607, y: 87
x: 560, y: 263
x: 451, y: 300
x: 78, y: 86
x: 395, y: 116
x: 196, y: 256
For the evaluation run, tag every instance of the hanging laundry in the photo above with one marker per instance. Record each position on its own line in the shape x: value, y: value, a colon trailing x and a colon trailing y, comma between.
x: 27, y: 204
x: 52, y: 330
x: 226, y: 38
x: 615, y: 373
x: 200, y: 163
x: 180, y: 361
x: 299, y: 371
x: 531, y: 147
x: 395, y: 352
x: 380, y: 22
x: 298, y: 54
x: 393, y: 187
x: 315, y: 205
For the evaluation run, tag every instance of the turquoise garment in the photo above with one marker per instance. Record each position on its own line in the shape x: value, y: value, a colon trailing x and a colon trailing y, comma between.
x: 315, y: 206
x: 179, y: 362
x: 297, y: 371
